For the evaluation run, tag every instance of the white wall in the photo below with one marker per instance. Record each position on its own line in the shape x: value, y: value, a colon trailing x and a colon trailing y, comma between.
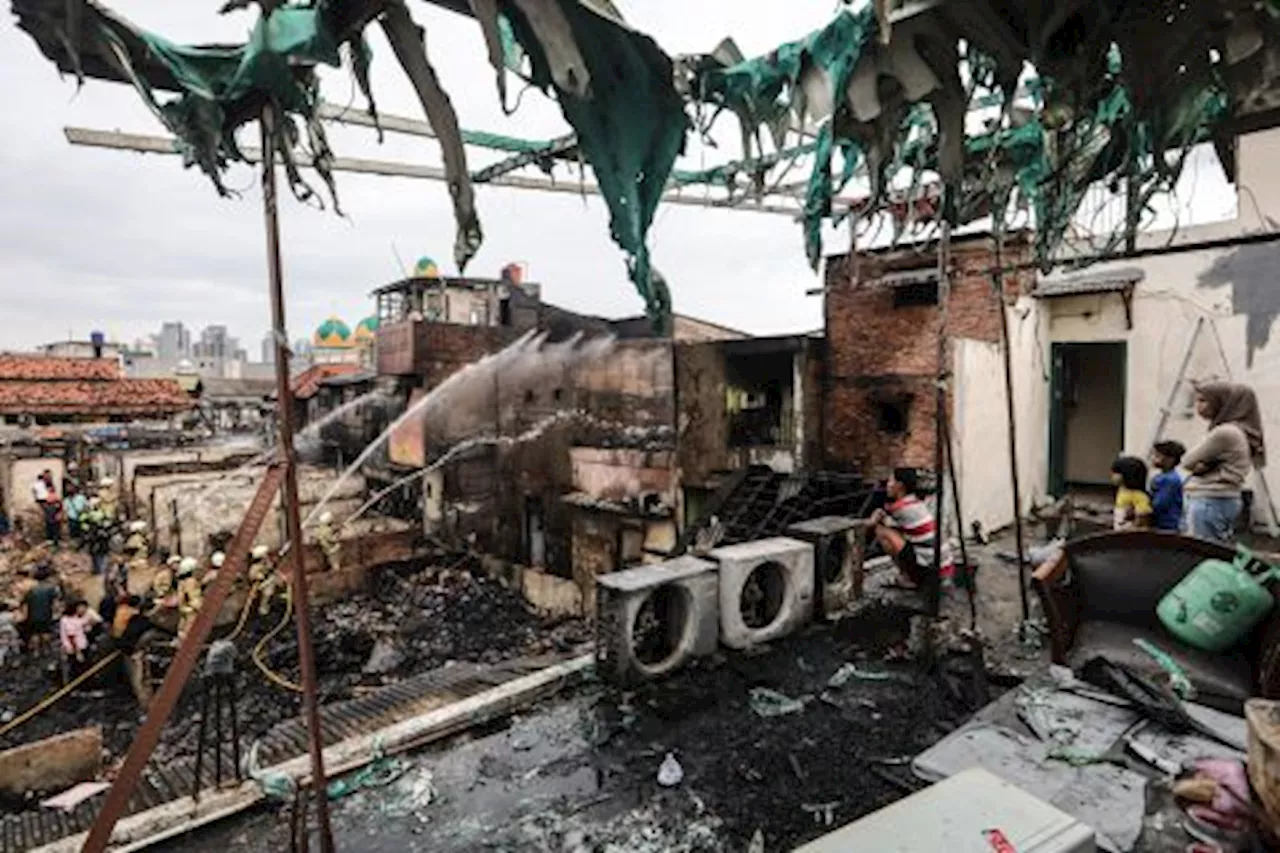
x: 981, y: 419
x: 1167, y: 303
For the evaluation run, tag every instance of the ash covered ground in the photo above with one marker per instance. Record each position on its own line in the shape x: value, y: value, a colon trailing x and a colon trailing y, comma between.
x: 422, y: 617
x: 579, y: 772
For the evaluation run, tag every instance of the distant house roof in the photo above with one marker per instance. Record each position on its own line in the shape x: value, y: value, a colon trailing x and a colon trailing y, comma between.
x: 307, y: 383
x: 363, y: 375
x: 684, y: 329
x: 1081, y: 284
x: 48, y: 367
x: 218, y: 388
x: 121, y: 397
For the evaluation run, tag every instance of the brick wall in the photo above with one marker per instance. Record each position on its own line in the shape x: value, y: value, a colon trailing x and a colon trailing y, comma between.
x: 884, y: 358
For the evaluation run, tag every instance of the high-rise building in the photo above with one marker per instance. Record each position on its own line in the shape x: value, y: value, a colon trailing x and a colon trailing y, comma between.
x: 215, y: 344
x: 173, y: 343
x: 268, y: 348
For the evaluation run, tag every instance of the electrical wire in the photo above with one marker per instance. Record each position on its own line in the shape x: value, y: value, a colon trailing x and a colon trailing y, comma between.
x: 52, y: 698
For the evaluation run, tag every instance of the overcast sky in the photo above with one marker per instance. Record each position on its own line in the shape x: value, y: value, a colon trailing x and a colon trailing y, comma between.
x: 96, y: 239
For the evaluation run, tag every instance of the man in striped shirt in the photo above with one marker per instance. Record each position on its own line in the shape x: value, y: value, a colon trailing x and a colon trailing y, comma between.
x: 907, y: 531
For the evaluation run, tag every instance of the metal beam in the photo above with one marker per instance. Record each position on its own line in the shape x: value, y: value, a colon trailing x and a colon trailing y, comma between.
x: 145, y: 144
x: 558, y: 147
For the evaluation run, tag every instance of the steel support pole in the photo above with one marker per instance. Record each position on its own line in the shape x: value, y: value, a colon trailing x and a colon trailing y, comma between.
x: 940, y: 414
x: 1010, y: 412
x: 293, y: 519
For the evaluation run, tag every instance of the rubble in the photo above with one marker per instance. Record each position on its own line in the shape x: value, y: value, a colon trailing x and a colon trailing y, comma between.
x: 420, y: 617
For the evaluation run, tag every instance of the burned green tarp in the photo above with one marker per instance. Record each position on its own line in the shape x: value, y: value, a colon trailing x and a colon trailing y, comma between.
x: 766, y: 92
x: 204, y: 94
x: 631, y: 126
x: 220, y: 88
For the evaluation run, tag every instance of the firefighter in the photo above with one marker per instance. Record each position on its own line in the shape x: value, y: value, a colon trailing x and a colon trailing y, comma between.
x: 107, y: 497
x: 271, y: 583
x: 327, y: 538
x: 136, y: 541
x: 190, y: 596
x: 211, y: 574
x: 162, y: 583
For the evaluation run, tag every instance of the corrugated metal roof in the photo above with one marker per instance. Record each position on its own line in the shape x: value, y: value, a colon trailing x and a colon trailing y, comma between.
x: 1080, y: 284
x: 307, y: 383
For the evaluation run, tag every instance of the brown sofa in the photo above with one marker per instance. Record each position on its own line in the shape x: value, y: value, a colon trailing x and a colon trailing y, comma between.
x: 1101, y: 593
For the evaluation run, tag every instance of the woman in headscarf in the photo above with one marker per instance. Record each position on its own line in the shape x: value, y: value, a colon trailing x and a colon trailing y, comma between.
x: 1220, y: 464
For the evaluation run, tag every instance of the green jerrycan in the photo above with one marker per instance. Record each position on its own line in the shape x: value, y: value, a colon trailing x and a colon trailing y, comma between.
x: 1218, y: 602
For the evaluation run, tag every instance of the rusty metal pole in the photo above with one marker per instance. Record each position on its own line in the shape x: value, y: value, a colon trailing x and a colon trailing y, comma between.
x: 293, y: 519
x: 1010, y: 411
x: 940, y: 412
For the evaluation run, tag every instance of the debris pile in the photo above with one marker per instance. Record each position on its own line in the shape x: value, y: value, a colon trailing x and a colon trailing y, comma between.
x: 415, y: 617
x: 793, y: 738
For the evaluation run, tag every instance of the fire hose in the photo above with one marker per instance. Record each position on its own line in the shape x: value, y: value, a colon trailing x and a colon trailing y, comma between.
x: 272, y: 676
x: 53, y: 697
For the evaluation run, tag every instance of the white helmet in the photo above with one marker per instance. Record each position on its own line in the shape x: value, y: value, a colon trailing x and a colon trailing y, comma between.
x: 174, y: 560
x: 138, y: 527
x: 217, y: 559
x: 326, y: 517
x: 259, y: 552
x: 107, y: 481
x: 187, y: 566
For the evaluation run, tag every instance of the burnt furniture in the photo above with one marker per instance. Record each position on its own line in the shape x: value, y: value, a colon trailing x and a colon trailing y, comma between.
x: 1100, y: 594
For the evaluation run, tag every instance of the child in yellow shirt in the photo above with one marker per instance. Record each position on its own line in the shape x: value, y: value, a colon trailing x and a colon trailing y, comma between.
x: 1133, y: 504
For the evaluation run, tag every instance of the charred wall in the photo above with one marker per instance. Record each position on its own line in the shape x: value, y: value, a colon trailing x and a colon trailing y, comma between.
x: 879, y: 404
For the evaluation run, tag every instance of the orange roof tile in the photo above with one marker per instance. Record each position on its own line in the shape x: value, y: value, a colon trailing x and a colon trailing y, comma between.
x: 128, y: 397
x: 43, y: 367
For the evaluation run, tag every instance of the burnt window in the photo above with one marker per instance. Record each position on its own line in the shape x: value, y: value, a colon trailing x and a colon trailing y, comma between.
x: 915, y: 294
x: 891, y: 416
x: 558, y: 395
x: 528, y: 396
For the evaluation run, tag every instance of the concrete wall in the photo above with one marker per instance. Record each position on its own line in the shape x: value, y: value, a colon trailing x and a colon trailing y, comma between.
x: 207, y: 504
x: 618, y: 474
x: 704, y: 374
x: 18, y: 476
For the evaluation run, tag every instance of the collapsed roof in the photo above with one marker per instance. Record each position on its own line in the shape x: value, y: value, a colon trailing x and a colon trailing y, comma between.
x: 971, y: 108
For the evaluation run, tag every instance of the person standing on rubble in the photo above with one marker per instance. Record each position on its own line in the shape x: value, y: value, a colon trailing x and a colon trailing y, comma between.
x: 1221, y: 463
x: 76, y: 505
x: 39, y: 606
x: 46, y: 497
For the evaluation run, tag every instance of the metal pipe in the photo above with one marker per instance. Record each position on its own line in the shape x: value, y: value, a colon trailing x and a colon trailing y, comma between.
x: 940, y: 413
x: 293, y: 519
x: 955, y: 504
x: 997, y: 277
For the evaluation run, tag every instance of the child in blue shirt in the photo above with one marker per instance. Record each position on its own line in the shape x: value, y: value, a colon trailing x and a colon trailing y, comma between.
x: 1166, y: 486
